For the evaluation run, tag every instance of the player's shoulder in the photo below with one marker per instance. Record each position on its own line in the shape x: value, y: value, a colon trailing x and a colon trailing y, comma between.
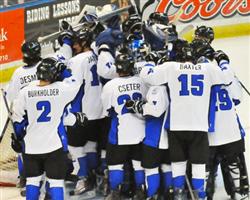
x: 31, y: 86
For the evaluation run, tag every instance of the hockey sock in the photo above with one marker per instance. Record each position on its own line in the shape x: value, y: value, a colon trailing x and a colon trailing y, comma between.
x: 92, y: 160
x: 20, y: 164
x: 32, y: 192
x: 179, y: 171
x: 198, y: 179
x: 198, y: 185
x: 83, y: 170
x: 152, y: 181
x: 179, y: 182
x: 115, y: 178
x: 167, y: 180
x: 56, y: 193
x: 167, y: 176
x: 139, y: 178
x: 139, y: 173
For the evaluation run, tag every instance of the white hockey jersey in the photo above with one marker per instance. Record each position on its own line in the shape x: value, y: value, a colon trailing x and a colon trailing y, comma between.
x: 155, y: 111
x: 126, y: 127
x: 189, y: 90
x: 20, y: 78
x: 43, y: 106
x: 84, y: 69
x: 224, y: 123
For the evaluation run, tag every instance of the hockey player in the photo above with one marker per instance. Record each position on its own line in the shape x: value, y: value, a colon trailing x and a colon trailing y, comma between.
x: 226, y: 137
x: 188, y: 138
x: 83, y: 141
x: 127, y: 130
x: 22, y: 77
x: 37, y: 117
x: 155, y: 144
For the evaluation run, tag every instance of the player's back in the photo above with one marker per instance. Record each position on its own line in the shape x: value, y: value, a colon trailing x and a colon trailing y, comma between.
x: 127, y: 128
x: 189, y: 91
x: 84, y: 67
x: 44, y: 106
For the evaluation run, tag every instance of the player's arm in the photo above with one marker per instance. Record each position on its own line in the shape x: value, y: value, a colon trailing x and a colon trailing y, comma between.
x: 105, y: 65
x: 107, y: 41
x: 155, y: 75
x: 19, y: 116
x: 65, y: 40
x: 155, y: 105
x: 157, y: 101
x: 106, y: 98
x: 13, y: 88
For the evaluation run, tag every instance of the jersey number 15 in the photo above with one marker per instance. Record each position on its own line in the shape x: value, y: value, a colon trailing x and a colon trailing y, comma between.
x: 196, y: 87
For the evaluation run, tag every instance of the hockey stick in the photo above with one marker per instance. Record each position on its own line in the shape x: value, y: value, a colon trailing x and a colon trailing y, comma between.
x: 185, y: 30
x: 100, y: 18
x: 147, y: 4
x: 137, y: 9
x: 8, y: 109
x: 244, y: 87
x: 4, y: 129
x: 190, y: 188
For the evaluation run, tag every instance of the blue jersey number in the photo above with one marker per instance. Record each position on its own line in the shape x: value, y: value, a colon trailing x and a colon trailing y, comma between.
x: 95, y: 80
x: 125, y: 97
x: 224, y: 100
x: 196, y: 85
x: 46, y: 108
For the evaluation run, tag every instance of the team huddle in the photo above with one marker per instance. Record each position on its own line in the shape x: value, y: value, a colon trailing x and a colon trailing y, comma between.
x: 128, y: 110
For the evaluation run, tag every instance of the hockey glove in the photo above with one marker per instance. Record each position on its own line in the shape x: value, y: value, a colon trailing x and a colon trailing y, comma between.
x: 65, y: 26
x: 66, y: 37
x: 152, y: 56
x: 16, y: 144
x: 81, y: 119
x: 135, y: 106
x: 220, y: 55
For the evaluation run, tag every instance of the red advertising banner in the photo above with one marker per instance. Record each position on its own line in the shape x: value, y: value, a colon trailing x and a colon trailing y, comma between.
x: 205, y: 9
x: 11, y: 35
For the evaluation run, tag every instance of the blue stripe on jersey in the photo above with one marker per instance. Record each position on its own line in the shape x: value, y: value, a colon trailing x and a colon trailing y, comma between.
x: 167, y: 122
x: 113, y: 132
x: 153, y: 130
x: 63, y: 135
x: 76, y: 104
x: 242, y: 131
x: 212, y: 108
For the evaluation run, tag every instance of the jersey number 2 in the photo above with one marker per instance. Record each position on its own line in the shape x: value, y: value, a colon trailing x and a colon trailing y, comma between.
x: 46, y: 108
x: 196, y: 85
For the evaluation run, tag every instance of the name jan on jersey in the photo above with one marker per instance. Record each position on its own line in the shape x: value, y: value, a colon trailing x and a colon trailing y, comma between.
x: 27, y: 79
x: 129, y: 87
x: 190, y: 66
x: 43, y: 92
x: 92, y: 58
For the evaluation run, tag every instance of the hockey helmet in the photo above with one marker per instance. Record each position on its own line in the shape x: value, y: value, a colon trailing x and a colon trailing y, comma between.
x: 31, y: 52
x: 202, y: 48
x: 124, y: 63
x: 49, y: 69
x: 204, y: 32
x: 182, y: 50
